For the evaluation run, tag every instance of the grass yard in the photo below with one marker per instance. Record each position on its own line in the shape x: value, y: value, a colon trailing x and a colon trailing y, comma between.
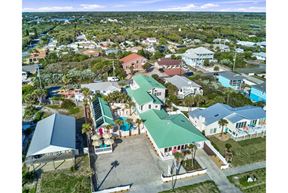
x: 203, y: 187
x: 244, y: 152
x: 64, y: 181
x: 259, y: 186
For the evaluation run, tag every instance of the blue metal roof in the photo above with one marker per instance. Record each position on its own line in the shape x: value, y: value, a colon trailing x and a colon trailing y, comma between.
x: 53, y: 134
x: 220, y: 111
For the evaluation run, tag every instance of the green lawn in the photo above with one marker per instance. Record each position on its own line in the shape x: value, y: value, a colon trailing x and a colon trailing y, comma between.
x: 240, y: 180
x: 203, y: 187
x: 244, y: 152
x: 66, y: 181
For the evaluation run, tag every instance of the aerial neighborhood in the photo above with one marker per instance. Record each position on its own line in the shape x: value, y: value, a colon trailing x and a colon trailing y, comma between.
x: 115, y: 102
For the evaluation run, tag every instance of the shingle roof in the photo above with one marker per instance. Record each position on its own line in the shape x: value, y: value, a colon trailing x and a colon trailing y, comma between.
x: 221, y: 111
x: 260, y: 87
x: 54, y: 133
x: 231, y: 76
x: 168, y: 62
x: 131, y: 57
x: 103, y: 86
x: 181, y: 81
x: 170, y: 130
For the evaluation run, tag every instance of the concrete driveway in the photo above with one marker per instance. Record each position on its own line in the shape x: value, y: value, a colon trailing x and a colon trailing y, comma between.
x: 138, y: 165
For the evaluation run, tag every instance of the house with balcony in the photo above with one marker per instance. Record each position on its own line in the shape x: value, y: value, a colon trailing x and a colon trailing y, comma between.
x: 185, y: 87
x: 243, y: 121
x: 258, y: 93
x: 197, y: 56
x: 168, y: 132
x: 134, y: 61
x: 146, y: 93
x: 231, y: 80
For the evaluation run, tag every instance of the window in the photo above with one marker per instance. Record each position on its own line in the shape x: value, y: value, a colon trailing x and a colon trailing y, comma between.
x: 241, y: 124
x: 178, y: 147
x: 170, y: 148
x: 253, y: 122
x: 166, y: 150
x: 149, y: 106
x: 211, y: 131
x: 215, y: 129
x: 182, y: 147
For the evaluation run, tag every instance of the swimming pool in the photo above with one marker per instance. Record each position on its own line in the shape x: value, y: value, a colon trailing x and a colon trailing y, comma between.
x: 126, y: 126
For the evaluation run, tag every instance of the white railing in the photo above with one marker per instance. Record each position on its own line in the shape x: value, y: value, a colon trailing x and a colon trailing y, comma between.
x: 212, y: 148
x: 185, y: 175
x: 116, y: 189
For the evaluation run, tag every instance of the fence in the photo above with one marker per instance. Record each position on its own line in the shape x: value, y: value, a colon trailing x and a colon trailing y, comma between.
x: 116, y: 189
x: 212, y: 148
x: 185, y: 175
x: 185, y: 109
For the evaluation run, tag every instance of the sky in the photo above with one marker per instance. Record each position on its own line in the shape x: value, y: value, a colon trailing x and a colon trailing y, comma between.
x: 144, y: 5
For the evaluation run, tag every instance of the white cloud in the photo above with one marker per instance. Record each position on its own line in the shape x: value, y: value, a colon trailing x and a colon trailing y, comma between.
x: 246, y: 9
x: 208, y: 6
x: 188, y: 7
x: 91, y: 6
x: 48, y: 9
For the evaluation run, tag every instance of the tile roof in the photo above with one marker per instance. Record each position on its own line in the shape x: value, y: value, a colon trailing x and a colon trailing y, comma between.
x: 131, y: 57
x: 170, y: 130
x: 54, y: 133
x: 222, y: 111
x: 174, y: 71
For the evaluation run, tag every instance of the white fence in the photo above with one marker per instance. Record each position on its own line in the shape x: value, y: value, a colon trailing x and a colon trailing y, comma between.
x: 186, y: 109
x: 185, y: 175
x: 225, y: 163
x: 116, y: 189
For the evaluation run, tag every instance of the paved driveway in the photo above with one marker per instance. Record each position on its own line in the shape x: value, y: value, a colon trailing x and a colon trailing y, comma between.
x: 138, y: 164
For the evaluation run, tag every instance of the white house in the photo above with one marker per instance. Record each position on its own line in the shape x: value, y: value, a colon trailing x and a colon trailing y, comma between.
x: 239, y: 50
x: 104, y: 88
x: 196, y: 57
x: 146, y: 93
x: 260, y: 55
x: 185, y: 86
x: 222, y: 47
x: 246, y: 43
x: 242, y: 121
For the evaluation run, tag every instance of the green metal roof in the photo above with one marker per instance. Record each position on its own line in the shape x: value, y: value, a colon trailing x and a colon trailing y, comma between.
x: 146, y: 82
x: 142, y: 97
x: 102, y: 113
x: 170, y: 130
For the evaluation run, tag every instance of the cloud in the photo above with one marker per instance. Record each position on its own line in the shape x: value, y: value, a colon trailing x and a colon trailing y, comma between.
x: 244, y: 9
x: 91, y: 6
x: 188, y: 7
x: 208, y: 6
x: 48, y: 9
x: 147, y: 1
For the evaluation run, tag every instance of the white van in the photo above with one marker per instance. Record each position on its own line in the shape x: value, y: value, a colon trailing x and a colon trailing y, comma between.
x: 112, y: 79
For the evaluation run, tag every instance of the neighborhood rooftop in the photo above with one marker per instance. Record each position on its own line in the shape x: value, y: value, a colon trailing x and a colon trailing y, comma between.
x: 170, y: 130
x: 54, y: 133
x: 181, y: 81
x: 102, y: 112
x: 231, y: 76
x: 101, y: 86
x: 221, y: 111
x: 260, y: 87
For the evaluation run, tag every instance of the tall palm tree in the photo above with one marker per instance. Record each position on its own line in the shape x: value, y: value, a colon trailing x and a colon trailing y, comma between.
x: 138, y: 122
x: 192, y: 149
x: 119, y: 122
x: 39, y: 94
x: 179, y: 157
x: 109, y: 127
x: 130, y: 121
x: 222, y: 123
x: 228, y: 92
x: 86, y: 128
x: 130, y: 104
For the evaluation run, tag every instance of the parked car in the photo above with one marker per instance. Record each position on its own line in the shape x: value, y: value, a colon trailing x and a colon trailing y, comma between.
x: 112, y: 79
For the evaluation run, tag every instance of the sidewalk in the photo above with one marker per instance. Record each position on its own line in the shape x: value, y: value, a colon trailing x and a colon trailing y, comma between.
x: 215, y: 173
x: 245, y: 168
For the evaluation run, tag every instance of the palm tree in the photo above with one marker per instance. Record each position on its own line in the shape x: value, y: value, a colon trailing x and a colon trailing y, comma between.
x: 138, y: 122
x: 39, y: 94
x: 228, y: 92
x: 109, y: 127
x: 189, y: 101
x: 192, y: 149
x: 199, y: 99
x: 66, y: 80
x: 178, y: 156
x: 222, y: 123
x: 130, y: 104
x: 119, y: 122
x: 86, y: 128
x: 130, y: 121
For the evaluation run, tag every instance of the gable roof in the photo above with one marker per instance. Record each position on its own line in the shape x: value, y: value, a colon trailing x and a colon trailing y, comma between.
x: 107, y: 86
x: 168, y: 62
x: 174, y: 71
x: 222, y: 111
x: 231, y: 76
x: 260, y: 87
x: 147, y: 82
x: 102, y: 113
x: 181, y: 81
x: 170, y: 130
x: 54, y: 133
x: 131, y: 57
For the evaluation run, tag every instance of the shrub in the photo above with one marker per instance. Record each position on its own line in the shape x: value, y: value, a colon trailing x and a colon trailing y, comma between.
x: 67, y: 104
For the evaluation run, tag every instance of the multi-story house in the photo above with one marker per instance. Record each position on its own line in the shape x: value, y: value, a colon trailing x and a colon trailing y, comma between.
x: 230, y: 80
x: 185, y: 86
x: 133, y: 60
x: 258, y: 92
x: 146, y: 93
x: 197, y: 56
x: 242, y: 121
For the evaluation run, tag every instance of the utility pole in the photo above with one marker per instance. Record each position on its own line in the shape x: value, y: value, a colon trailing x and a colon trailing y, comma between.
x: 39, y: 77
x: 234, y: 61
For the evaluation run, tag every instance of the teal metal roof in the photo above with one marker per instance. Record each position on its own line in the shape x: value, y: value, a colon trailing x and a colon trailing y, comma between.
x: 146, y: 82
x: 170, y: 130
x: 142, y: 97
x: 102, y: 112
